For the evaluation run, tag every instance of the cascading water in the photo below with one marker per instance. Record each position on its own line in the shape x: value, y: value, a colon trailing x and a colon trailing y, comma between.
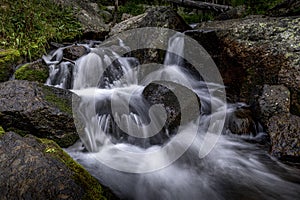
x: 234, y: 169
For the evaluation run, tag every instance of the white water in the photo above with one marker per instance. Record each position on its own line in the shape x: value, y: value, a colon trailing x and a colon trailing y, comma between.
x: 234, y: 169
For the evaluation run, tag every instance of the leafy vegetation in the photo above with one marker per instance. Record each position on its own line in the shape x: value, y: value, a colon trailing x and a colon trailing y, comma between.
x: 28, y: 25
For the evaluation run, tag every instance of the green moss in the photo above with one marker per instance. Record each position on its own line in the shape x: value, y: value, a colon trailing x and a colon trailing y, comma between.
x: 31, y: 73
x: 1, y: 131
x: 7, y: 58
x: 60, y: 103
x: 93, y: 189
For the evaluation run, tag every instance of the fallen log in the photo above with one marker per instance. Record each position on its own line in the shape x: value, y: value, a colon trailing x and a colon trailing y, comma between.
x: 201, y: 5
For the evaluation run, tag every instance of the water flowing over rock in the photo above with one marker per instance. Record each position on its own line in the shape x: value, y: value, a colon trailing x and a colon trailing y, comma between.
x: 241, y: 122
x: 258, y: 58
x: 284, y: 131
x: 29, y: 107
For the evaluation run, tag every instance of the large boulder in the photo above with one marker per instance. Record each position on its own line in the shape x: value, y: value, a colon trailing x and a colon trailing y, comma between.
x: 31, y: 168
x: 284, y: 131
x: 163, y: 17
x: 30, y: 107
x: 252, y: 52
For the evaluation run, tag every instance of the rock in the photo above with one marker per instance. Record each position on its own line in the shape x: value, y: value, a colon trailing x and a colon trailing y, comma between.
x: 30, y: 107
x: 234, y: 13
x: 275, y: 100
x: 126, y: 16
x: 285, y: 136
x: 175, y: 99
x: 252, y: 52
x: 36, y: 71
x: 163, y: 17
x: 285, y: 8
x: 8, y: 58
x: 74, y: 52
x: 241, y: 122
x: 31, y: 168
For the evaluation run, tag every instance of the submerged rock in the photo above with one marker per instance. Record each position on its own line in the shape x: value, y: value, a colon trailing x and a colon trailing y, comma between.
x: 30, y: 107
x: 284, y: 131
x: 31, y: 168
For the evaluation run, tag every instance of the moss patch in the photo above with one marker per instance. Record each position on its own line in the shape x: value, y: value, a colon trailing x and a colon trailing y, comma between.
x: 32, y: 72
x: 63, y: 104
x: 1, y: 131
x: 93, y: 190
x: 7, y: 58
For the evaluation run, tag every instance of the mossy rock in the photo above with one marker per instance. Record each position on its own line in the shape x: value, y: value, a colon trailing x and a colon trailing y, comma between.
x: 7, y: 59
x: 36, y: 71
x: 93, y: 189
x: 2, y: 131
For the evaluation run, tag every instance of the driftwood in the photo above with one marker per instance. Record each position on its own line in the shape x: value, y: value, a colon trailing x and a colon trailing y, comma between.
x: 201, y: 5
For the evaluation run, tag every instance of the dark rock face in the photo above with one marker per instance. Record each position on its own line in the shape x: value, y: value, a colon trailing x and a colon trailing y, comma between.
x: 74, y: 52
x: 241, y: 122
x: 175, y: 99
x: 32, y: 168
x: 27, y: 173
x: 29, y: 107
x: 284, y: 131
x: 274, y: 100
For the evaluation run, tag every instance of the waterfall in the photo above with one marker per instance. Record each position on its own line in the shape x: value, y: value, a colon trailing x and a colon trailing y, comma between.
x: 113, y: 105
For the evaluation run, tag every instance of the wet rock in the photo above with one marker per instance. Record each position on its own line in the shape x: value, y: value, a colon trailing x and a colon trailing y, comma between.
x: 74, y: 52
x: 36, y: 71
x: 241, y: 122
x: 275, y: 99
x: 156, y: 17
x: 285, y: 136
x: 176, y: 99
x: 30, y: 107
x: 32, y: 168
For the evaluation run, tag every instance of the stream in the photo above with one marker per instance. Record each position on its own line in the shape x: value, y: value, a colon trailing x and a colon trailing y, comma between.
x: 172, y: 166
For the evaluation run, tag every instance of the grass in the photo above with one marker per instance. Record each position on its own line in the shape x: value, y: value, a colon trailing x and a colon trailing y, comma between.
x: 28, y: 25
